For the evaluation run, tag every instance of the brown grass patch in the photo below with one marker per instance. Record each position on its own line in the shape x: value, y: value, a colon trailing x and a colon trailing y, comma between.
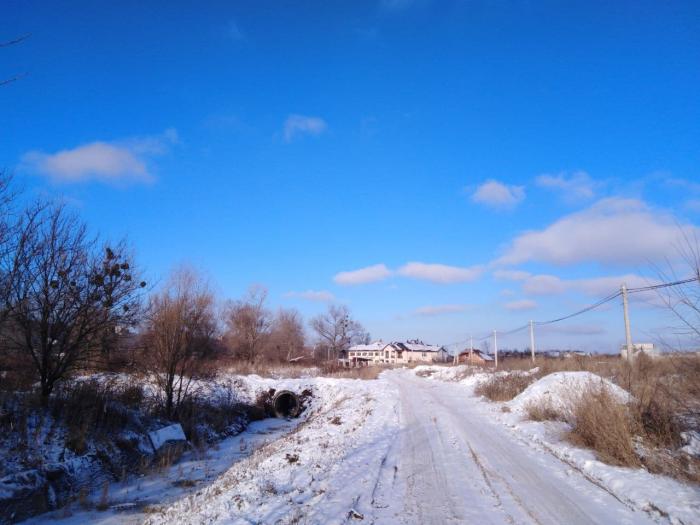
x: 542, y: 411
x: 364, y: 372
x: 665, y: 402
x: 601, y: 423
x: 503, y: 387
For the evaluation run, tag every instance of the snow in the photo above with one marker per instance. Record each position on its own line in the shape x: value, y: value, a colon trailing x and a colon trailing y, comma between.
x: 162, y: 436
x: 692, y: 443
x: 556, y: 390
x: 320, y: 472
x: 413, y: 347
x: 130, y: 500
x: 421, y: 347
x: 373, y: 346
x: 662, y: 498
x: 413, y: 446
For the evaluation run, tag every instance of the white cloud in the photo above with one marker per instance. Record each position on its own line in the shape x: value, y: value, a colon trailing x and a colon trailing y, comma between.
x: 511, y: 275
x: 522, y: 304
x: 612, y: 231
x: 115, y: 162
x: 595, y: 286
x: 692, y: 205
x: 574, y: 187
x: 322, y: 296
x: 498, y: 195
x: 544, y: 285
x: 370, y: 274
x: 297, y: 125
x: 441, y: 309
x: 685, y: 185
x: 440, y: 273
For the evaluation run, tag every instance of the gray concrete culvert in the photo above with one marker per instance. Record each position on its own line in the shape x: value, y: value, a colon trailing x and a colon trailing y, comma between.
x: 286, y: 404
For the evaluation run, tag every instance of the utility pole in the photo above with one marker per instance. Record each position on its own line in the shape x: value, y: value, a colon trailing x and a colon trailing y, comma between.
x: 625, y: 310
x: 532, y: 341
x: 471, y: 349
x: 495, y: 346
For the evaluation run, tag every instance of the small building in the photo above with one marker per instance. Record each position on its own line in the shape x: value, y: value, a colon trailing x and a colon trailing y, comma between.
x: 379, y: 352
x: 474, y: 357
x: 640, y: 348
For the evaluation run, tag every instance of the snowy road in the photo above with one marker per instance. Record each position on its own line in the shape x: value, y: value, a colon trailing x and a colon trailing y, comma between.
x: 404, y: 450
x: 450, y: 464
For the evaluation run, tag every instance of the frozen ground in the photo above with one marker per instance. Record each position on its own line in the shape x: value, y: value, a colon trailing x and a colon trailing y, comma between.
x: 405, y: 449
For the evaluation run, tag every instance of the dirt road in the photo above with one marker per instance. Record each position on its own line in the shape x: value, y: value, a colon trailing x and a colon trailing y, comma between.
x: 450, y: 464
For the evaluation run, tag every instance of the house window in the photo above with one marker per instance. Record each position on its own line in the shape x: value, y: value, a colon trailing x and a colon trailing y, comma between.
x: 386, y: 355
x: 424, y: 354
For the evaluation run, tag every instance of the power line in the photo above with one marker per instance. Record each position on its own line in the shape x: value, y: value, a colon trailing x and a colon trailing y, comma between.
x: 662, y: 285
x: 588, y: 308
x: 582, y: 311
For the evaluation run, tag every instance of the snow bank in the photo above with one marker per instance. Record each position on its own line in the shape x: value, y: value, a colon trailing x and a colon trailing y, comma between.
x: 316, y: 474
x: 556, y: 390
x: 469, y: 376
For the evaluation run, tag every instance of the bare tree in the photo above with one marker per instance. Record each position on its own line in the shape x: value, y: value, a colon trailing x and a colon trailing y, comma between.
x: 286, y: 341
x: 248, y: 324
x: 337, y: 331
x: 683, y: 299
x: 179, y: 320
x: 7, y: 243
x: 66, y: 293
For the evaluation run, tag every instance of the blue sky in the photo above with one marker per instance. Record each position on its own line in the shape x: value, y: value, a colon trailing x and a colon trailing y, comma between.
x: 525, y: 157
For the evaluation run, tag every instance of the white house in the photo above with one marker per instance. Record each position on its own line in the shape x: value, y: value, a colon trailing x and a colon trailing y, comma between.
x: 640, y: 348
x: 379, y: 352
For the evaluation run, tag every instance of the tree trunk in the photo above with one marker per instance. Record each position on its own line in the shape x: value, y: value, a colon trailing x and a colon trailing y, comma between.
x: 46, y: 388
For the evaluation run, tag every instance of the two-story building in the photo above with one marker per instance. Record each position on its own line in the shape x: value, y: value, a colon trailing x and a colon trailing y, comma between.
x: 396, y: 352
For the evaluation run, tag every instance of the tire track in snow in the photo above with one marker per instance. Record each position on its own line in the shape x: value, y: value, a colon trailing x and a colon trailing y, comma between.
x: 481, y: 463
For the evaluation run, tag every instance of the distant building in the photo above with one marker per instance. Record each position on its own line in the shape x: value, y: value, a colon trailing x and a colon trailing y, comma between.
x: 640, y: 348
x: 474, y: 357
x: 396, y: 352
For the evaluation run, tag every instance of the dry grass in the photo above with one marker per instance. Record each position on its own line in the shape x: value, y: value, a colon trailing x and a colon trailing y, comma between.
x: 91, y: 408
x: 646, y: 432
x: 365, y: 372
x: 601, y: 423
x: 543, y: 411
x: 295, y: 370
x: 503, y: 387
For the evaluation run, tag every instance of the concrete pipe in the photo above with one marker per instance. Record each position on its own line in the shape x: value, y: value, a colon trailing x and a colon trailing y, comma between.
x: 286, y: 404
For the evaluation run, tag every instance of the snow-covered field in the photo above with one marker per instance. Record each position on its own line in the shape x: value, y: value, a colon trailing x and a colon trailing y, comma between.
x: 412, y: 447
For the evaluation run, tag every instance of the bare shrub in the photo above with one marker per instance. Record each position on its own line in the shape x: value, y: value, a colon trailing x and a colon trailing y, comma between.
x: 88, y: 408
x: 103, y: 504
x: 180, y: 320
x: 286, y: 341
x: 248, y: 324
x: 205, y: 420
x: 503, y: 387
x: 601, y: 423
